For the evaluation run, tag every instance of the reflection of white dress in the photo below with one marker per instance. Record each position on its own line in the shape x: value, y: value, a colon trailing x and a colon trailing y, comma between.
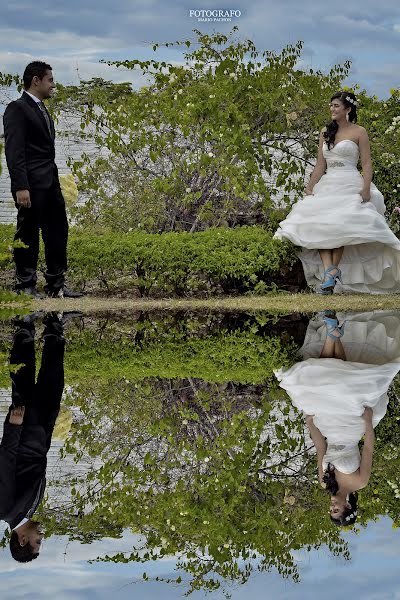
x: 336, y: 391
x: 334, y: 216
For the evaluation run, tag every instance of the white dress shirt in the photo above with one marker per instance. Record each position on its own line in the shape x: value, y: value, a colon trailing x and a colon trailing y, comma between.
x: 35, y: 98
x: 24, y: 520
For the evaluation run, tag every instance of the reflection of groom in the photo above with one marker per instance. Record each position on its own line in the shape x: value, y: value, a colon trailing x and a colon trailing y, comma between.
x: 30, y: 152
x: 28, y: 429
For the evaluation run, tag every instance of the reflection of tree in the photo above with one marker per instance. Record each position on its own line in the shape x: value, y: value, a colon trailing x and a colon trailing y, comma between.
x: 184, y: 464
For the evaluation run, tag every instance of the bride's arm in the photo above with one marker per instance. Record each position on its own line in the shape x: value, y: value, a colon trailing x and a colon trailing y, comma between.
x: 368, y: 449
x: 319, y: 168
x: 319, y: 443
x: 365, y: 153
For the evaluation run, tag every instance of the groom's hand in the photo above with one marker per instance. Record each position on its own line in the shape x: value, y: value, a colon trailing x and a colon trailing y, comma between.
x: 24, y: 198
x: 17, y: 415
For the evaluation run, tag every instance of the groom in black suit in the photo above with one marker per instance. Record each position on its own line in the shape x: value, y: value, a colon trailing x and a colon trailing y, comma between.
x: 30, y: 152
x: 28, y: 429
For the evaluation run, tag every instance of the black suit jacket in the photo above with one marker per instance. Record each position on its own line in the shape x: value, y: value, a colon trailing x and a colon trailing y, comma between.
x: 23, y: 464
x: 29, y: 146
x: 24, y: 448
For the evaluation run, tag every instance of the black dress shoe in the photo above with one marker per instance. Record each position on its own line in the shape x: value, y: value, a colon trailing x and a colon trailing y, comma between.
x: 30, y: 291
x: 64, y: 292
x: 67, y: 293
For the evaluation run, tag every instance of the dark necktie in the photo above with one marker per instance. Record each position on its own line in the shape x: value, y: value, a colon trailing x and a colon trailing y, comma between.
x: 46, y: 115
x: 35, y: 502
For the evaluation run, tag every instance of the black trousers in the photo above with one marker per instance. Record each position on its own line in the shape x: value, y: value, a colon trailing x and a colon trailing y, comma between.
x: 41, y: 398
x: 46, y: 213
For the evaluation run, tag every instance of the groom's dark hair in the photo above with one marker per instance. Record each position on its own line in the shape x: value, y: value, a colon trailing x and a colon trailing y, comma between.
x: 37, y: 68
x: 20, y: 553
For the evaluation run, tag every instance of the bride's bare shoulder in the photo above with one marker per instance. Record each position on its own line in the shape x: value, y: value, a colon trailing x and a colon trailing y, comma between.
x: 359, y: 130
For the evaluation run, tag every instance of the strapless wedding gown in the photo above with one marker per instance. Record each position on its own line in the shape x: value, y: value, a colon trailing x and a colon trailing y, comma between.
x: 333, y: 217
x: 336, y: 391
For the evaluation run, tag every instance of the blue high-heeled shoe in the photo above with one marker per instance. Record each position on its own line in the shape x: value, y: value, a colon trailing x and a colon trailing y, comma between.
x: 333, y: 325
x: 327, y: 286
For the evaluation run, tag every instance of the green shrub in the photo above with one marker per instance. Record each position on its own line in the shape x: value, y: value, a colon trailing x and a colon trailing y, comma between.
x: 245, y: 259
x: 179, y: 263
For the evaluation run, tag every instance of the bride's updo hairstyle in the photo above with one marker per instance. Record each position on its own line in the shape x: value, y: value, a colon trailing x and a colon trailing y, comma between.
x: 349, y: 515
x: 331, y: 485
x: 332, y: 126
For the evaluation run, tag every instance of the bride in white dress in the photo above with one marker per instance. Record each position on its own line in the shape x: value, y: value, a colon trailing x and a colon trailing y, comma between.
x: 341, y: 386
x: 341, y: 217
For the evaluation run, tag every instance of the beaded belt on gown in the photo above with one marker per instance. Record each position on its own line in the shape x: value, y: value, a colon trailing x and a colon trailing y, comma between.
x: 336, y: 163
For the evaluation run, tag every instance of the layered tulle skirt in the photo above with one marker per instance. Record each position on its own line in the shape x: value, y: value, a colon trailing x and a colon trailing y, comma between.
x: 334, y: 217
x: 336, y: 391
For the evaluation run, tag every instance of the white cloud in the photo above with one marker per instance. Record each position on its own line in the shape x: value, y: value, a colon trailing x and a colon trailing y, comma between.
x: 85, y: 32
x: 354, y: 25
x: 69, y: 69
x: 61, y: 40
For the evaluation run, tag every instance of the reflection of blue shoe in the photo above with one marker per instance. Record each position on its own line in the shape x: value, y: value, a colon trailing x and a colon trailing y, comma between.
x: 332, y: 325
x: 328, y: 285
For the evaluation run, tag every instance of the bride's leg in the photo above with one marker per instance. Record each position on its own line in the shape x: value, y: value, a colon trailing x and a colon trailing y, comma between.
x: 339, y: 350
x: 328, y: 350
x: 326, y: 257
x: 333, y: 347
x: 337, y: 254
x: 330, y: 272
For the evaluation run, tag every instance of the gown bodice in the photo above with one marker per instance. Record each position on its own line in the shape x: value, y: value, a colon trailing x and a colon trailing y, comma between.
x: 344, y: 154
x: 346, y: 459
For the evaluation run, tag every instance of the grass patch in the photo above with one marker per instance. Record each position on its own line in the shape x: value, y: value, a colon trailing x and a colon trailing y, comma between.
x: 277, y: 303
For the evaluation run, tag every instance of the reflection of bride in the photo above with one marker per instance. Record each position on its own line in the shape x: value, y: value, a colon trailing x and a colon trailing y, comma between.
x: 341, y: 386
x: 341, y: 219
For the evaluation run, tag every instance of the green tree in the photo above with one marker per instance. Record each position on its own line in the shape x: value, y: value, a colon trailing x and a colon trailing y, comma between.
x: 212, y: 142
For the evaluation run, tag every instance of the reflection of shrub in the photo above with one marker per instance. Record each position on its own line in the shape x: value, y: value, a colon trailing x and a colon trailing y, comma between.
x: 163, y: 348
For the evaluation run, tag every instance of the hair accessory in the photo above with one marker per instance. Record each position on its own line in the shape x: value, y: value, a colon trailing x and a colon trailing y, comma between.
x: 354, y: 102
x: 349, y: 517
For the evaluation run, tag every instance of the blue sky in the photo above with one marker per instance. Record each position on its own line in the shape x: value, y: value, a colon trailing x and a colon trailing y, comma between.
x: 62, y: 572
x: 74, y: 35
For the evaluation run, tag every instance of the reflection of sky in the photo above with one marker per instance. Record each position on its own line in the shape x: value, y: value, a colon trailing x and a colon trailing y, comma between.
x: 62, y: 572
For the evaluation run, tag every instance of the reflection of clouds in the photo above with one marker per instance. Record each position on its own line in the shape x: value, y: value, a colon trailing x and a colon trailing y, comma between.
x: 62, y: 571
x: 65, y: 585
x: 374, y: 551
x: 76, y: 585
x: 385, y: 540
x: 57, y: 550
x: 371, y: 574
